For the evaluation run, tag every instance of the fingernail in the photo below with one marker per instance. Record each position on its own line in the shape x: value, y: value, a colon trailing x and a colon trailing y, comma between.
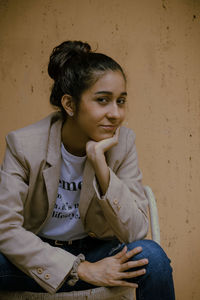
x: 139, y: 248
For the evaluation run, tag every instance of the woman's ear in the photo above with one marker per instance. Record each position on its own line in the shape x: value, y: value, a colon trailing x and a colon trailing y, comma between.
x: 68, y: 104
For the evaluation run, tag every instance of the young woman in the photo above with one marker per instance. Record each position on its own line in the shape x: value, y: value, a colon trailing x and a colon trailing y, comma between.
x: 73, y: 213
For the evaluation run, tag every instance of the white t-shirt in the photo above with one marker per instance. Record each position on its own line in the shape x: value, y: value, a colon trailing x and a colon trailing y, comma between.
x: 65, y: 223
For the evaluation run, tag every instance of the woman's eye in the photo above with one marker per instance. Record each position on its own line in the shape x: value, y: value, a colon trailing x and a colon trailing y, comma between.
x: 102, y: 100
x: 121, y: 101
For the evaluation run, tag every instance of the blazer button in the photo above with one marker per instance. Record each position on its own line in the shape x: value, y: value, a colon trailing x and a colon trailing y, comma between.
x: 92, y: 234
x: 115, y: 201
x: 40, y: 270
x: 118, y: 207
x: 47, y: 276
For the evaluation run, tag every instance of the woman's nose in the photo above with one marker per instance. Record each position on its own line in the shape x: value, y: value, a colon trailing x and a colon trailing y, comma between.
x: 113, y: 111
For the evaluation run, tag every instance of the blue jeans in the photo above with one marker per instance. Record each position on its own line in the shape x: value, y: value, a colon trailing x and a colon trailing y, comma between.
x: 156, y: 284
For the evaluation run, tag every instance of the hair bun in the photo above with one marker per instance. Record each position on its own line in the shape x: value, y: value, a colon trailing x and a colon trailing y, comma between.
x: 63, y: 53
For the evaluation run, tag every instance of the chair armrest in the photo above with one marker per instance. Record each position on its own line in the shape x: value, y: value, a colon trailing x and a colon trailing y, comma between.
x: 155, y: 228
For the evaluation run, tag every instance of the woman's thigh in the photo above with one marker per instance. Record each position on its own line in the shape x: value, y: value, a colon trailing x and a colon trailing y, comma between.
x: 11, y: 278
x: 158, y: 271
x: 157, y: 283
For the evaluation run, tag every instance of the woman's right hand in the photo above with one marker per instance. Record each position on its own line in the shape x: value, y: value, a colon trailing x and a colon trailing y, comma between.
x: 113, y: 271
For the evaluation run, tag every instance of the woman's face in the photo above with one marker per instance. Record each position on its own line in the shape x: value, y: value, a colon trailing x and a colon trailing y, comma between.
x: 102, y: 107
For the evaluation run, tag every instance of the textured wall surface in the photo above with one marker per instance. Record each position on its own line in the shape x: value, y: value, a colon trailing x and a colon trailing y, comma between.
x: 158, y: 43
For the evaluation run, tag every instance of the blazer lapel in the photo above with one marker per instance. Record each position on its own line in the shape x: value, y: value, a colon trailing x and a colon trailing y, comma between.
x: 51, y: 173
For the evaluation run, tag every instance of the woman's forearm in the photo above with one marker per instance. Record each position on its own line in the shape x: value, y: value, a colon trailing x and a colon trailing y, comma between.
x: 95, y: 152
x: 102, y: 172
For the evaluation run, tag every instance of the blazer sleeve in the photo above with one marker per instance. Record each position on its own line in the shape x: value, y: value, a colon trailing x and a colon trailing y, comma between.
x: 125, y: 205
x: 47, y: 265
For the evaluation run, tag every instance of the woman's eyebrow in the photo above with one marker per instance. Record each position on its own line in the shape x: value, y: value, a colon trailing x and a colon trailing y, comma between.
x: 110, y: 93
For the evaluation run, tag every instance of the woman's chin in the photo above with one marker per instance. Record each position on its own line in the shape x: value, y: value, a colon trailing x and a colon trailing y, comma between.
x: 102, y: 137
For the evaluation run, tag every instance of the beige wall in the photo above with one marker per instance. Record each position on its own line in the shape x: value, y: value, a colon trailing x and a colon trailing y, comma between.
x: 158, y: 43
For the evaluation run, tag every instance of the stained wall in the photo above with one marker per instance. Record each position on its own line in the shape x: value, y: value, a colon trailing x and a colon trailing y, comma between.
x: 158, y: 44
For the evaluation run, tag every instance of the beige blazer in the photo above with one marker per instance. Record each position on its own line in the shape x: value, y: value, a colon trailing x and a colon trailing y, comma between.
x: 29, y: 179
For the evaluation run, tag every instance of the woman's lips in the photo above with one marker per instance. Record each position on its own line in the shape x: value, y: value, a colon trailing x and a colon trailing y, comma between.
x: 109, y: 127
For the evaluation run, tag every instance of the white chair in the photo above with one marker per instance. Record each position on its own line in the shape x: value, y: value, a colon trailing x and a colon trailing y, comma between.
x: 101, y: 293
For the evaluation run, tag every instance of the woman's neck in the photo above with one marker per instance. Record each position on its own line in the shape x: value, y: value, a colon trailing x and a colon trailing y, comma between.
x: 73, y: 141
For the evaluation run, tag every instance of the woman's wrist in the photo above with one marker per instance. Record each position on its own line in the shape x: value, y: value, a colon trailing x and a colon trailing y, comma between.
x: 97, y: 155
x: 74, y: 276
x: 83, y: 269
x: 102, y: 174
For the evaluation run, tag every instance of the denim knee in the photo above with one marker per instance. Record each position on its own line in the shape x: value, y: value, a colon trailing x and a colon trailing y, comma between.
x: 157, y: 282
x: 158, y: 260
